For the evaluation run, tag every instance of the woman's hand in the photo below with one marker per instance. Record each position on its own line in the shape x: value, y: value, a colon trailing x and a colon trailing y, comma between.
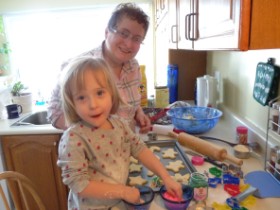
x: 143, y: 121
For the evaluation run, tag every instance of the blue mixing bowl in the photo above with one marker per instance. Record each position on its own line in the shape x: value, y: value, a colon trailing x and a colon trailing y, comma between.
x: 194, y: 119
x: 177, y: 205
x: 146, y: 196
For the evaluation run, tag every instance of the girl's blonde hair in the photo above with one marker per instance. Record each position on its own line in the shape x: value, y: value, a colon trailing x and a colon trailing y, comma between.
x: 74, y: 80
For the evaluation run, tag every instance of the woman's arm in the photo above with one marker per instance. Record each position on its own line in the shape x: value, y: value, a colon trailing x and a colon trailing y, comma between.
x: 59, y: 122
x: 143, y: 120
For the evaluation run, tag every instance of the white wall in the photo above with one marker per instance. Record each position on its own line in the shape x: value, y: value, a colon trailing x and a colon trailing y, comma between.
x: 238, y: 72
x: 25, y: 6
x: 29, y: 5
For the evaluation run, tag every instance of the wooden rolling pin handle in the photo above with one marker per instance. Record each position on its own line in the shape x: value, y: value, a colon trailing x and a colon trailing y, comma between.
x: 201, y: 146
x: 234, y: 160
x: 205, y: 148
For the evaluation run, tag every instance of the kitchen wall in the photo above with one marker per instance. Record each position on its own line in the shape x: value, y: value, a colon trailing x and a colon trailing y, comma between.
x: 29, y: 5
x: 238, y: 75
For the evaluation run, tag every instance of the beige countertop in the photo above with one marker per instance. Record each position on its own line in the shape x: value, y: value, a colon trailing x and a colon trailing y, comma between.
x: 7, y: 129
x: 223, y: 130
x: 218, y: 194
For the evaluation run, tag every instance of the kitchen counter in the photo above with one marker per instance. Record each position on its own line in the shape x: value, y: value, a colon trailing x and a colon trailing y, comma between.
x: 7, y: 129
x: 219, y: 195
x: 224, y: 130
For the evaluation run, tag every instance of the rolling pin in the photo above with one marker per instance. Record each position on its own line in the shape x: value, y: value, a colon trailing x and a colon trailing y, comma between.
x: 206, y: 148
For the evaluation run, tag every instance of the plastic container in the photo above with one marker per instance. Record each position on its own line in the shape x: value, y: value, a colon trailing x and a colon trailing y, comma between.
x: 171, y: 204
x: 242, y: 135
x: 161, y: 96
x: 143, y: 87
x: 172, y: 82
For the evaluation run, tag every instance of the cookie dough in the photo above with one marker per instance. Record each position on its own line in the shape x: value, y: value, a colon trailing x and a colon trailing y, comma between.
x: 135, y: 168
x: 181, y: 178
x: 137, y: 180
x: 169, y: 153
x: 133, y: 160
x: 154, y: 148
x: 175, y: 166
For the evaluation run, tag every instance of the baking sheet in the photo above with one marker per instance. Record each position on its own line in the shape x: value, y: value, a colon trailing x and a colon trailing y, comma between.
x: 164, y: 145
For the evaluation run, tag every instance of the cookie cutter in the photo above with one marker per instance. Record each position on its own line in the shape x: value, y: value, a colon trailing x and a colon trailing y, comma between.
x: 215, y: 171
x: 232, y: 189
x: 213, y: 182
x: 233, y: 202
x: 230, y: 179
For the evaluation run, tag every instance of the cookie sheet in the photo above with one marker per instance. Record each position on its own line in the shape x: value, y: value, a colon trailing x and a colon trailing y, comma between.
x: 165, y: 145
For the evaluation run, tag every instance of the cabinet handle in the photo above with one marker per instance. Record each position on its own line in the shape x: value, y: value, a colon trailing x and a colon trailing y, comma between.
x: 54, y: 143
x: 162, y: 5
x: 174, y: 27
x: 190, y: 26
x: 187, y: 22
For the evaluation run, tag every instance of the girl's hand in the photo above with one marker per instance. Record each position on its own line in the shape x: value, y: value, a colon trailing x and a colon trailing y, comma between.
x: 174, y: 188
x: 131, y: 195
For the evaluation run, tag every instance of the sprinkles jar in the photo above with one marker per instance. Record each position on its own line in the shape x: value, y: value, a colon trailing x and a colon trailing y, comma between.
x: 242, y: 134
x: 199, y: 182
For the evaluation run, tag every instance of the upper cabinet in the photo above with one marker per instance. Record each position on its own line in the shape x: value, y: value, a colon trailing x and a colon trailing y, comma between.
x: 161, y: 9
x: 228, y: 24
x: 166, y: 23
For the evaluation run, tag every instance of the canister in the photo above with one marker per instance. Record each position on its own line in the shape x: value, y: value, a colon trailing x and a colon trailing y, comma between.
x: 241, y: 134
x: 161, y: 96
x: 272, y: 160
x: 172, y: 82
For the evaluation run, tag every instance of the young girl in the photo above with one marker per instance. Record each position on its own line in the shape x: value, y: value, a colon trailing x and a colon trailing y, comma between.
x: 94, y: 152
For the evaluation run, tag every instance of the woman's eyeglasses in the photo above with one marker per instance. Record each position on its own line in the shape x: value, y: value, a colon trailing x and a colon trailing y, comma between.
x: 125, y: 34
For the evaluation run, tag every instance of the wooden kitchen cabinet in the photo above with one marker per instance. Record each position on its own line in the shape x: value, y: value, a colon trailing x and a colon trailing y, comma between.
x: 229, y: 25
x: 35, y: 156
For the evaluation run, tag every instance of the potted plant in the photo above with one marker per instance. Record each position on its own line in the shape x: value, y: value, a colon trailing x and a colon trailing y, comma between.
x: 17, y: 88
x: 21, y: 97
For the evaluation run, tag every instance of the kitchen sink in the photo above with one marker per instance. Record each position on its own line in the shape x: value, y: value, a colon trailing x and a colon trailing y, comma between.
x: 37, y: 118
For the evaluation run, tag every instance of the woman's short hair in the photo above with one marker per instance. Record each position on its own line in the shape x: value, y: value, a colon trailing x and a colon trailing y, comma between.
x: 73, y: 78
x: 132, y: 11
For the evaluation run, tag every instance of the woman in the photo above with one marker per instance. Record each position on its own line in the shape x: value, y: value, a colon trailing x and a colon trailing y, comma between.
x: 124, y: 34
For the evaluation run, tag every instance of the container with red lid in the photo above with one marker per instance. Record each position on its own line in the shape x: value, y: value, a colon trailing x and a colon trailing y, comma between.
x: 242, y: 134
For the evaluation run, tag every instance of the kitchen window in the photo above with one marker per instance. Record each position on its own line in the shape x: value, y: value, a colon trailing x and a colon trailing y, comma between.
x: 41, y: 41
